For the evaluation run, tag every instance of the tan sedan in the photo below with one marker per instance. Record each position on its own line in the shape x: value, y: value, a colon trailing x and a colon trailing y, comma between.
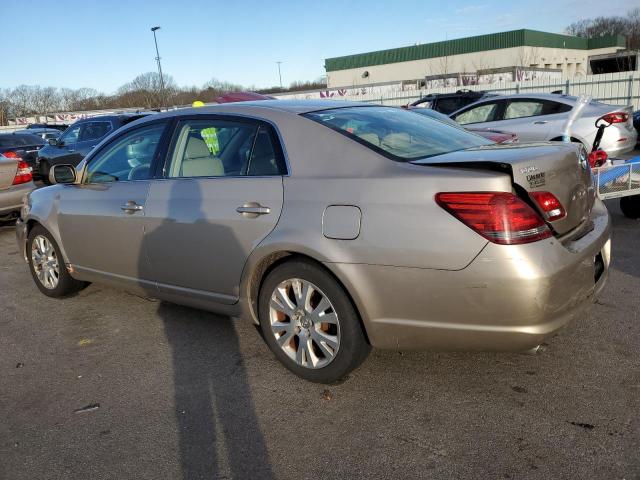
x: 334, y: 226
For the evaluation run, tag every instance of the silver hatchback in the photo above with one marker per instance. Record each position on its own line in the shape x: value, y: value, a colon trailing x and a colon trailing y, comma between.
x: 335, y: 226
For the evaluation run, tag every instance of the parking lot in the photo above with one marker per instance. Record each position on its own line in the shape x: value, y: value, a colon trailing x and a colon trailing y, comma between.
x: 111, y: 385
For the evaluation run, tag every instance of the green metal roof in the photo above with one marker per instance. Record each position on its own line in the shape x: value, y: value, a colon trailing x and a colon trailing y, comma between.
x: 479, y: 43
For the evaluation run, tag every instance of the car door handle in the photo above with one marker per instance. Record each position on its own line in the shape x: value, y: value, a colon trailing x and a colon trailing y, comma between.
x: 252, y: 210
x: 131, y: 207
x: 540, y: 122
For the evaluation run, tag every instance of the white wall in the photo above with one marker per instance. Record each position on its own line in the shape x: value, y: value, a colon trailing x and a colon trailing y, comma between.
x: 622, y: 88
x: 572, y: 62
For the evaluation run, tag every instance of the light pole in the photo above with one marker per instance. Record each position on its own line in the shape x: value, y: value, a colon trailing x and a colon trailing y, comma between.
x: 279, y: 74
x: 153, y: 29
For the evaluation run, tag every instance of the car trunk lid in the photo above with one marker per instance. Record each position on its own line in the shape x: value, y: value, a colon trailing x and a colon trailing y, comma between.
x: 543, y: 167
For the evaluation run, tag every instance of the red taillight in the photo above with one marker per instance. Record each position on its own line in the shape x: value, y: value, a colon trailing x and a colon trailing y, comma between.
x: 23, y: 174
x: 616, y: 117
x: 11, y: 154
x: 550, y: 205
x: 597, y: 158
x: 500, y: 217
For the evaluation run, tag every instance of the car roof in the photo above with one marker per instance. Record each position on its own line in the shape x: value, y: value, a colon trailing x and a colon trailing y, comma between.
x: 119, y: 116
x: 291, y: 106
x: 538, y: 96
x: 35, y: 131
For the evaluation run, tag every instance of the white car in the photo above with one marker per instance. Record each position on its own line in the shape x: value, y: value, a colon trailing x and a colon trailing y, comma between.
x: 542, y: 117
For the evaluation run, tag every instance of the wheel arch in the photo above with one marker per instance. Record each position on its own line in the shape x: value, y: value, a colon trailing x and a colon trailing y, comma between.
x: 255, y: 278
x: 574, y: 139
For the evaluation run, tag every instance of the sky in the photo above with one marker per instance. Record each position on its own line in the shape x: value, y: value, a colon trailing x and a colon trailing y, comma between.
x: 102, y: 45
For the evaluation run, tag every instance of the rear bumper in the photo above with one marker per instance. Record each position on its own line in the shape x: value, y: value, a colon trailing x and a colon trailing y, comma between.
x: 510, y: 298
x: 11, y: 198
x: 618, y: 141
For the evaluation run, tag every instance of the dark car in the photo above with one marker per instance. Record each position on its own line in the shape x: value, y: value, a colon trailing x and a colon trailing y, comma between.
x: 45, y: 133
x: 21, y: 145
x: 61, y: 127
x: 78, y: 140
x: 636, y: 122
x: 449, y: 102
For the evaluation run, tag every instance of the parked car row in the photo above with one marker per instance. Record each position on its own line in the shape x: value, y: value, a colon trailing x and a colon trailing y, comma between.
x: 78, y: 140
x: 335, y: 226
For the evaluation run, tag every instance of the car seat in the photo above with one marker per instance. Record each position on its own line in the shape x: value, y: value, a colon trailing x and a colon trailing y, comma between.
x: 198, y: 161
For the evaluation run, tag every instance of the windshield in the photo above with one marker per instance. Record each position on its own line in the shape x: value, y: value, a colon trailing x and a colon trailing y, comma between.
x: 396, y: 133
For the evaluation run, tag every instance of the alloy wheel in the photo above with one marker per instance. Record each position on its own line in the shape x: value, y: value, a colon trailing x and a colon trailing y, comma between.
x: 45, y: 262
x: 304, y: 323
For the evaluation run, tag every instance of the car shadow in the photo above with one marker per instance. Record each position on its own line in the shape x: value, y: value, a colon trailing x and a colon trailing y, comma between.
x: 625, y: 239
x: 218, y: 430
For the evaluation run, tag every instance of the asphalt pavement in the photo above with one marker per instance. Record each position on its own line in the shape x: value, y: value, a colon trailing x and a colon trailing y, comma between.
x: 108, y: 385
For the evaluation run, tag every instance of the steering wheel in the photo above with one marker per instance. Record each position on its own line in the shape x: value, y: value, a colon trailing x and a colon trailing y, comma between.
x: 136, y: 170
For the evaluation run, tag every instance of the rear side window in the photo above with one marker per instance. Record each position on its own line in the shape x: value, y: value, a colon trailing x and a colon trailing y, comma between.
x: 396, y: 133
x: 533, y: 108
x: 555, y: 107
x: 266, y: 158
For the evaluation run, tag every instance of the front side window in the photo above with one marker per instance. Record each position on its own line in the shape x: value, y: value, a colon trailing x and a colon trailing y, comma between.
x: 70, y: 136
x: 94, y: 130
x: 482, y: 113
x: 222, y: 148
x: 128, y: 157
x: 396, y: 133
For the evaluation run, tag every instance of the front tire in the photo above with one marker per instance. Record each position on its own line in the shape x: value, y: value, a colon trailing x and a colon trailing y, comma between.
x: 47, y: 265
x: 309, y: 322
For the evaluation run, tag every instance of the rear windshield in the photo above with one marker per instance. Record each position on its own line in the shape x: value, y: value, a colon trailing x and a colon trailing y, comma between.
x: 396, y: 133
x: 19, y: 140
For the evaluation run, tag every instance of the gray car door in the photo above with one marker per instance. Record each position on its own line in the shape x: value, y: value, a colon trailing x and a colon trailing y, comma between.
x: 101, y: 219
x: 221, y: 195
x: 534, y: 119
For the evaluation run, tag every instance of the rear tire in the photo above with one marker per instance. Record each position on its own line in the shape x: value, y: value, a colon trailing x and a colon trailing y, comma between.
x: 320, y: 338
x: 47, y: 265
x: 630, y: 206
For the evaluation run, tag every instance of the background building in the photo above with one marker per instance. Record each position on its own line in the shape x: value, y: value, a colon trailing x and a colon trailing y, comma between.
x: 481, y: 59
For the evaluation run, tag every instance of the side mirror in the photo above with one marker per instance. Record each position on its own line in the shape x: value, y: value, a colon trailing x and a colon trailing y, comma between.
x: 53, y: 142
x: 62, y: 174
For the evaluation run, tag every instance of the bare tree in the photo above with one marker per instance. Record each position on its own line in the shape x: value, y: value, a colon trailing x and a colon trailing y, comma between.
x: 628, y: 25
